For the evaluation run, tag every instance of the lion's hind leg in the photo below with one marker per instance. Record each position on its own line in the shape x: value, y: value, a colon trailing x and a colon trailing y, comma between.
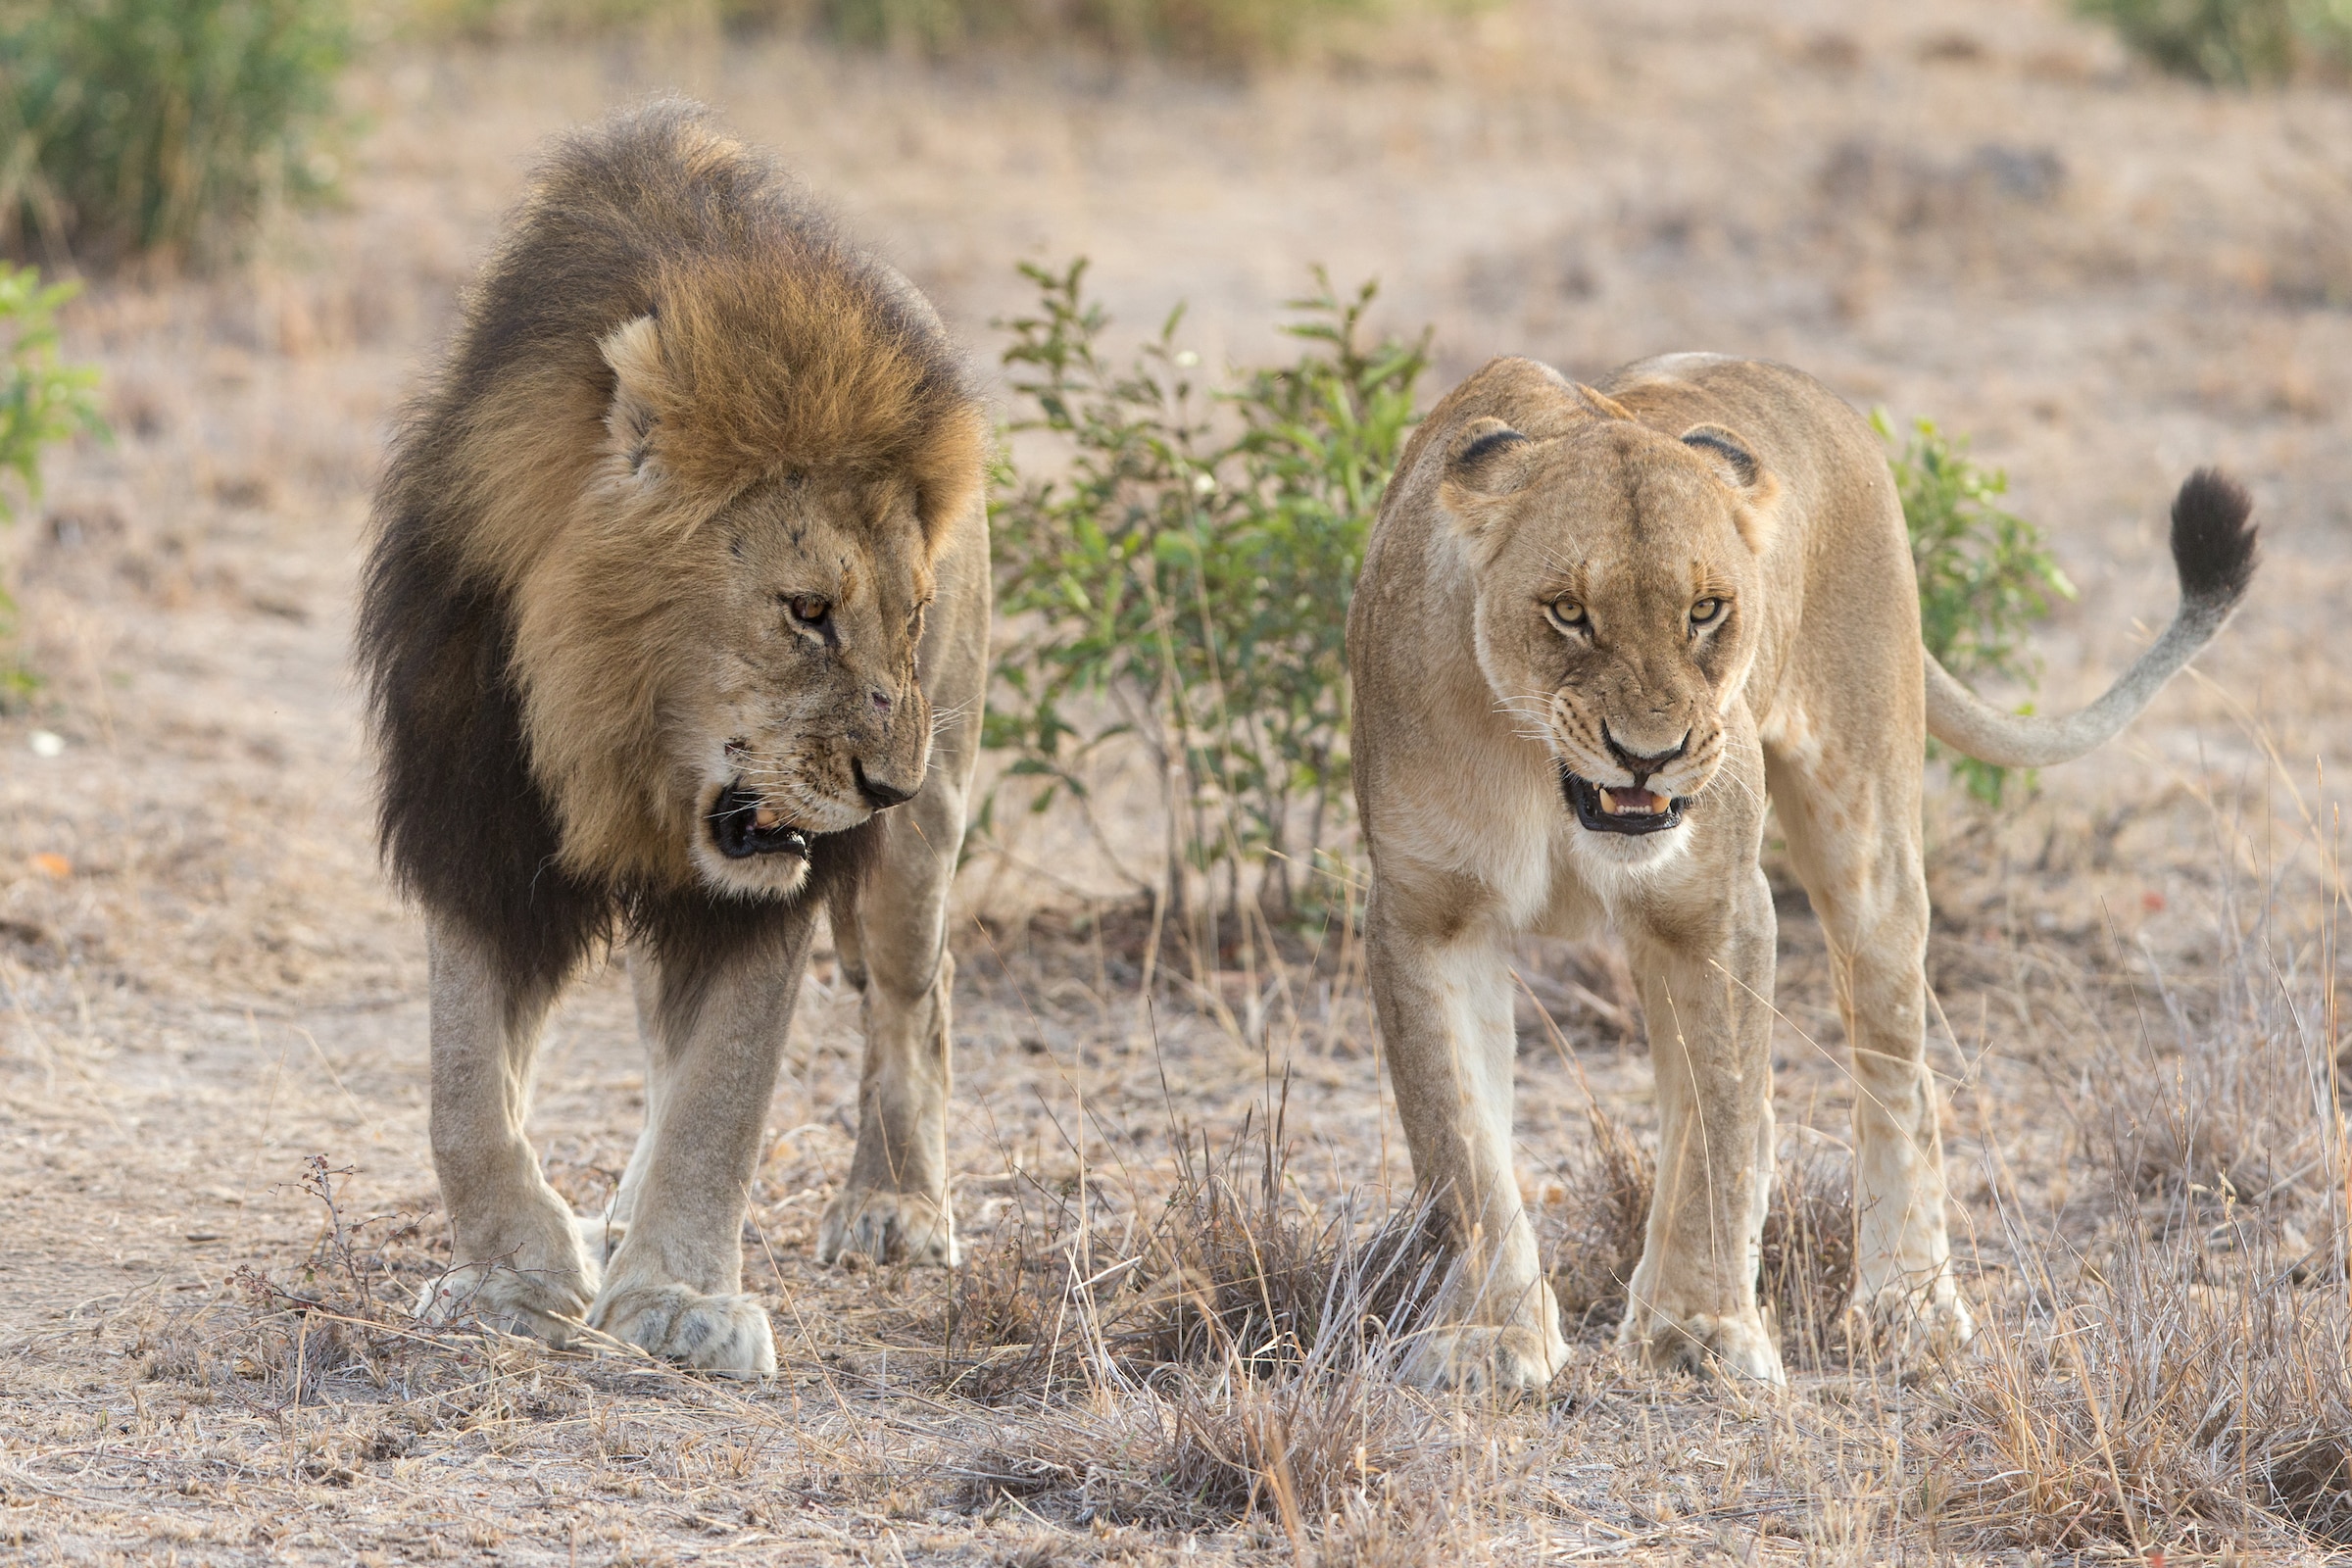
x: 517, y: 1260
x: 714, y: 1003
x: 892, y: 934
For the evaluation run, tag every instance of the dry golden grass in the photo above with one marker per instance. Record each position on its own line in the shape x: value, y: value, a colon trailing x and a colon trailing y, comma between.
x: 1173, y: 1340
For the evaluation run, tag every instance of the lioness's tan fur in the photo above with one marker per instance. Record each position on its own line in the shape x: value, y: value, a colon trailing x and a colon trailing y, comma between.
x: 688, y: 532
x: 1693, y: 582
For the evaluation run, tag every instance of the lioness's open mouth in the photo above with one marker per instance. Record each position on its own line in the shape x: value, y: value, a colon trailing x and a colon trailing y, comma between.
x: 742, y: 827
x: 1606, y: 808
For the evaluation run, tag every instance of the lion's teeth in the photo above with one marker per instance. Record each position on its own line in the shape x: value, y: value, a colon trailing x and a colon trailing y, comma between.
x: 767, y: 817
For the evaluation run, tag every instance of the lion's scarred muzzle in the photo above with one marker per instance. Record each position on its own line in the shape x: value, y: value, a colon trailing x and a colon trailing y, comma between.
x: 743, y: 826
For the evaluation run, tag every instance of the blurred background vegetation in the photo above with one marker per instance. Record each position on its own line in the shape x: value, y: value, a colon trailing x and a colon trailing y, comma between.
x: 1181, y: 566
x: 2233, y: 42
x: 158, y: 129
x: 158, y: 126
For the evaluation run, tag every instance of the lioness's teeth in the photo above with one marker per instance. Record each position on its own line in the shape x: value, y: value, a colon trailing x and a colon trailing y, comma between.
x: 1633, y: 802
x: 767, y: 817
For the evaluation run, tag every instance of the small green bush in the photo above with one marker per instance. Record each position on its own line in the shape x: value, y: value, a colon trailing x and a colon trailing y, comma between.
x: 1186, y: 579
x: 2231, y: 42
x: 42, y: 402
x: 153, y: 125
x: 1985, y: 573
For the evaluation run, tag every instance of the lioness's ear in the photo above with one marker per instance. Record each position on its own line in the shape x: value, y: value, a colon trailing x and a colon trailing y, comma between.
x: 635, y: 351
x: 1737, y: 467
x: 1483, y: 465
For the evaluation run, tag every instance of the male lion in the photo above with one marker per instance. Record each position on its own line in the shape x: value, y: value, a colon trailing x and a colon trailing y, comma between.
x: 1595, y: 630
x: 675, y: 626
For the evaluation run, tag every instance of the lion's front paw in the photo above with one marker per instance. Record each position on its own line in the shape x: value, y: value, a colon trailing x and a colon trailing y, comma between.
x: 1477, y: 1359
x: 1910, y: 1325
x: 1734, y: 1343
x: 546, y: 1303
x: 889, y: 1228
x: 728, y: 1335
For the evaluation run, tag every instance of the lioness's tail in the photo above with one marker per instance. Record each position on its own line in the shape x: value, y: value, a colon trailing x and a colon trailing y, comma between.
x: 2213, y: 549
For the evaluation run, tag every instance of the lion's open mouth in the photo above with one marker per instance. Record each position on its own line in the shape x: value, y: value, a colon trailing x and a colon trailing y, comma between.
x: 742, y: 827
x: 1606, y: 809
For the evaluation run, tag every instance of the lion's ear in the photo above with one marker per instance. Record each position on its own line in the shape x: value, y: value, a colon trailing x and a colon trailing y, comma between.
x: 1600, y: 403
x: 1486, y: 463
x: 639, y: 379
x: 951, y: 468
x: 1735, y: 463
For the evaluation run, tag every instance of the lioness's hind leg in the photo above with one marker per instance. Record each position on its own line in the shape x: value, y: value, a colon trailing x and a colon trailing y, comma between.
x: 517, y: 1261
x: 1445, y: 1012
x: 1853, y: 836
x: 1706, y: 988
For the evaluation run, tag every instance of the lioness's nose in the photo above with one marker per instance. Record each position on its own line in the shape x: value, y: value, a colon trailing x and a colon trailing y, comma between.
x: 878, y: 794
x: 1641, y: 766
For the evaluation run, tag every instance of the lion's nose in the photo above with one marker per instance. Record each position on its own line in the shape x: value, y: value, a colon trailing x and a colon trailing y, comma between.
x: 878, y: 794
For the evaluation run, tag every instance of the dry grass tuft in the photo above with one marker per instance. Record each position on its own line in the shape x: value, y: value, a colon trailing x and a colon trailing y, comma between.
x: 1230, y: 1272
x: 2148, y: 1408
x: 1595, y: 1238
x: 339, y: 1333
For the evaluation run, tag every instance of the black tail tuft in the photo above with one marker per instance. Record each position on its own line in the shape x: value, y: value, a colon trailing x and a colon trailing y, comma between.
x: 2213, y: 540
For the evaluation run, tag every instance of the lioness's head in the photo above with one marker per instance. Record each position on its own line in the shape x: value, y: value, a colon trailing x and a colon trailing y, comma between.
x: 1616, y: 572
x: 720, y: 657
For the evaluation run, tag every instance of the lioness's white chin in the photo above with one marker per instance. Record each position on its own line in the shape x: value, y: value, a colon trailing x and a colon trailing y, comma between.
x: 1624, y: 852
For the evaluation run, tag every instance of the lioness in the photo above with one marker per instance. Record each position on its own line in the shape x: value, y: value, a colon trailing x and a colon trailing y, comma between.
x: 1595, y: 630
x: 674, y: 627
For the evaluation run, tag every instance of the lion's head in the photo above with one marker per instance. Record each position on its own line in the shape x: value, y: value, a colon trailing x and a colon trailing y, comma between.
x: 717, y: 651
x: 1617, y: 601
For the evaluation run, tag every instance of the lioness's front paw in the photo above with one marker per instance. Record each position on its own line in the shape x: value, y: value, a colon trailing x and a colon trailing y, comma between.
x: 546, y: 1303
x: 889, y: 1228
x: 1478, y: 1358
x: 1910, y: 1324
x: 1734, y: 1345
x: 728, y: 1335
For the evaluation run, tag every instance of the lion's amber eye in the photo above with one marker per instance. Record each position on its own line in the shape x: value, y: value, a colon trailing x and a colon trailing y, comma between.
x: 808, y: 609
x: 1568, y: 615
x: 1706, y: 612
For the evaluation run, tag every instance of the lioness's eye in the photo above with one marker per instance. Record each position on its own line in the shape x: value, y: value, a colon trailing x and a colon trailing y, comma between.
x: 1706, y: 612
x: 808, y: 609
x: 1567, y: 614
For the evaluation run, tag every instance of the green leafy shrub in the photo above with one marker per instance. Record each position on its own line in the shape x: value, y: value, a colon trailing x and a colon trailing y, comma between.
x: 1985, y: 573
x: 138, y: 125
x: 1185, y: 579
x: 2235, y: 42
x: 42, y: 402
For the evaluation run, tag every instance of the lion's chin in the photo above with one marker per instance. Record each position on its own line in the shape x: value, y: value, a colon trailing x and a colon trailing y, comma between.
x: 747, y: 850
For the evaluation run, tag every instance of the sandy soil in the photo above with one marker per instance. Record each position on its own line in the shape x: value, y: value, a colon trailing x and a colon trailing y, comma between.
x: 1986, y: 216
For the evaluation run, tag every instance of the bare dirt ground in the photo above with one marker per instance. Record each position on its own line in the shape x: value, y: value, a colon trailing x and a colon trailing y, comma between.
x: 1982, y: 215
